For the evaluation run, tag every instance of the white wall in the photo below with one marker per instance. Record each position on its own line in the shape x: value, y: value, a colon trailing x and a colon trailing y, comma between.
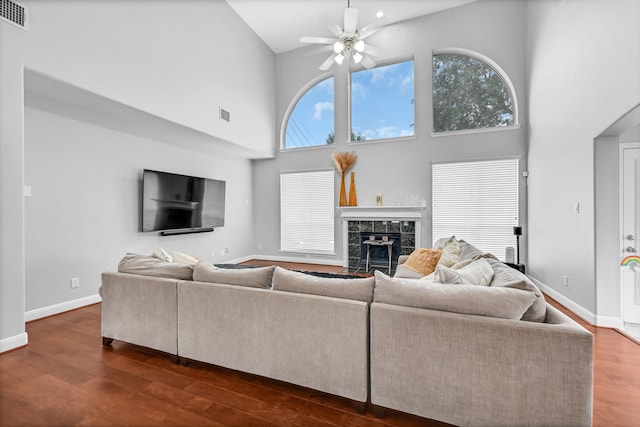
x: 584, y: 74
x: 170, y: 60
x: 83, y: 215
x: 401, y: 169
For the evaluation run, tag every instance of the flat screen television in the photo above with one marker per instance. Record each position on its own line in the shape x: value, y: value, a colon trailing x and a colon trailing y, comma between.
x: 181, y: 203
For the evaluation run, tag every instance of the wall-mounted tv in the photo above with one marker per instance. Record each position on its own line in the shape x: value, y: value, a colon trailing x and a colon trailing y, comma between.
x: 175, y: 204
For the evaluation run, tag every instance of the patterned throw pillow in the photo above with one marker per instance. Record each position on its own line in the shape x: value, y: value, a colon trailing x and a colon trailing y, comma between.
x: 423, y: 260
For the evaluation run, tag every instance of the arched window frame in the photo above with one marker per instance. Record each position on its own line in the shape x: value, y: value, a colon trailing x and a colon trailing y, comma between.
x: 292, y: 105
x: 503, y: 76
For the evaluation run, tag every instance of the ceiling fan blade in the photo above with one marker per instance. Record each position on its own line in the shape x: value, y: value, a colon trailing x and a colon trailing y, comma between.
x: 374, y: 26
x: 327, y: 63
x: 372, y: 50
x: 317, y: 40
x: 350, y: 20
x: 317, y: 50
x: 335, y: 29
x: 367, y: 62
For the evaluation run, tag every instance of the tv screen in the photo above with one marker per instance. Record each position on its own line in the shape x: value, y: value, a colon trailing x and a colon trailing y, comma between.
x: 175, y: 202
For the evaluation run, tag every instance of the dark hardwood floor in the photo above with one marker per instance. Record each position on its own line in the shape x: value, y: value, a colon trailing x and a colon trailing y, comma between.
x: 65, y: 377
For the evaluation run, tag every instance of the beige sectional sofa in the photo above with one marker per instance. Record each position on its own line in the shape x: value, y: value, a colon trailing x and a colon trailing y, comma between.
x: 318, y: 340
x: 466, y: 354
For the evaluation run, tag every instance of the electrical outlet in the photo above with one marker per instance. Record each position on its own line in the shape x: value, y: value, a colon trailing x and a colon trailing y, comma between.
x: 75, y: 282
x: 565, y: 281
x: 224, y: 251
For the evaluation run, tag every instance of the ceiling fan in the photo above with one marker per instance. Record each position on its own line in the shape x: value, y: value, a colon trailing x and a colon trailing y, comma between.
x: 349, y: 42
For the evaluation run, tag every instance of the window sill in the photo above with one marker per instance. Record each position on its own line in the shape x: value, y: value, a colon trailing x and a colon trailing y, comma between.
x: 473, y: 131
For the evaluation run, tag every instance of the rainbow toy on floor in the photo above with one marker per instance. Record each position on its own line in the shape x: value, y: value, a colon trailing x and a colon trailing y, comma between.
x: 630, y: 260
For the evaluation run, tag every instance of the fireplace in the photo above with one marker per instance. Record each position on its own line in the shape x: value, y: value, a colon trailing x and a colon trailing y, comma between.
x: 401, y: 234
x: 402, y: 224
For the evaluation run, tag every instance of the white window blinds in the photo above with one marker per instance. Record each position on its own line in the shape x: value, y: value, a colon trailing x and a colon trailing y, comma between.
x: 307, y: 212
x: 477, y: 202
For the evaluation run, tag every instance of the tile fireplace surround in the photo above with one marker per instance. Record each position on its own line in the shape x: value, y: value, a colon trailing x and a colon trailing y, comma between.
x: 403, y: 220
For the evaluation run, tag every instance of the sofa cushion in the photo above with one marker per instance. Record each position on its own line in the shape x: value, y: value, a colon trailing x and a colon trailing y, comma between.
x: 423, y: 260
x: 360, y: 289
x: 502, y: 302
x: 507, y: 277
x: 151, y: 266
x: 259, y: 277
x: 478, y: 272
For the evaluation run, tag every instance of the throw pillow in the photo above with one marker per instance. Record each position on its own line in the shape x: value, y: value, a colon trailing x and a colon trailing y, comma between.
x: 450, y: 253
x: 259, y: 277
x: 488, y: 301
x: 444, y: 241
x: 293, y: 281
x: 183, y: 258
x: 478, y: 272
x: 423, y: 260
x: 151, y: 266
x: 161, y: 254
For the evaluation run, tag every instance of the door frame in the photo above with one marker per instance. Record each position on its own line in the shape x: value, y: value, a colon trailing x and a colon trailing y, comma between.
x: 622, y: 147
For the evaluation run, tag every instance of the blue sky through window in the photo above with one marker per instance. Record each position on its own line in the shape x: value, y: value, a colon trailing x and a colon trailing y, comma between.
x: 382, y: 101
x: 311, y: 120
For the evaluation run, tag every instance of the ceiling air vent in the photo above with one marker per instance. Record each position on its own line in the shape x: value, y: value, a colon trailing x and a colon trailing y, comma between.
x: 13, y: 13
x: 225, y: 115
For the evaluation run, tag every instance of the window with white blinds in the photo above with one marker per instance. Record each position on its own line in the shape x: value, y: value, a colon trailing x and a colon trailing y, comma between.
x: 307, y: 212
x: 477, y: 202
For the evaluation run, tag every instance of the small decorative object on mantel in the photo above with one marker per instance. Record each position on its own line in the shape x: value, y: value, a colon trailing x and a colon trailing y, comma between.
x: 343, y: 161
x: 353, y: 198
x: 379, y: 199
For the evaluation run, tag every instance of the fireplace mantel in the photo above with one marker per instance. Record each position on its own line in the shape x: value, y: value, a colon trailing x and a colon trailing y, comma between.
x: 381, y: 212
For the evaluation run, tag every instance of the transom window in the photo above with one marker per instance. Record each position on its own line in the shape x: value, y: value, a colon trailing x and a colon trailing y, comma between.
x: 382, y: 100
x: 311, y: 120
x: 477, y: 202
x: 470, y: 92
x: 307, y: 212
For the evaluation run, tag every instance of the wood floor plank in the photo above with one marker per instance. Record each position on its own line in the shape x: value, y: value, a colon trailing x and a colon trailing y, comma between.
x: 65, y: 377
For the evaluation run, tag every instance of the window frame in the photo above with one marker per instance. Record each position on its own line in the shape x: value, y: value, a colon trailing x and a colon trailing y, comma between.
x: 350, y: 104
x: 332, y: 202
x: 498, y: 70
x: 292, y: 105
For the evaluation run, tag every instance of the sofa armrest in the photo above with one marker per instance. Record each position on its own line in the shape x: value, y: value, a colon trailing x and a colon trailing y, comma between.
x: 140, y: 310
x: 474, y: 370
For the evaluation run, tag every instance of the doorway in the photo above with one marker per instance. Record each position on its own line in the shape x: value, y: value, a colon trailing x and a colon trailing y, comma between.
x: 630, y: 234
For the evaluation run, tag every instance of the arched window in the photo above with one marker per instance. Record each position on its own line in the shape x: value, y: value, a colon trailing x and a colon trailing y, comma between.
x: 310, y: 122
x: 470, y: 91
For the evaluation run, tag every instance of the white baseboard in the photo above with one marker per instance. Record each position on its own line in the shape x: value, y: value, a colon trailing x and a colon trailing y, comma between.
x: 14, y: 342
x: 580, y: 311
x: 39, y: 313
x: 321, y: 261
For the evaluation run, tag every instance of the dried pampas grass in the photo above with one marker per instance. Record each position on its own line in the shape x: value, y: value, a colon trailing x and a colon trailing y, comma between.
x: 344, y: 160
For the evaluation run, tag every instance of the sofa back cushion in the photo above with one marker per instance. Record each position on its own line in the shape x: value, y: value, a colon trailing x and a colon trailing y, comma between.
x: 151, y: 266
x: 502, y: 302
x: 259, y: 277
x: 507, y: 277
x: 360, y: 289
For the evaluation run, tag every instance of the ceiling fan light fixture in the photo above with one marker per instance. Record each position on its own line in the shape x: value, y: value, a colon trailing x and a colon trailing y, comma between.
x: 339, y: 58
x: 338, y: 46
x: 359, y: 46
x: 357, y: 57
